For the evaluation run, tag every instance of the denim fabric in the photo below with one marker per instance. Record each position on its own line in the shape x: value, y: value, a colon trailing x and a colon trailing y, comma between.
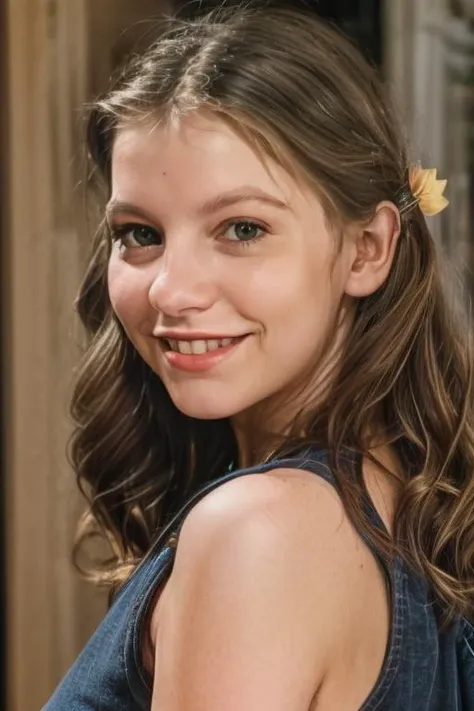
x: 424, y: 669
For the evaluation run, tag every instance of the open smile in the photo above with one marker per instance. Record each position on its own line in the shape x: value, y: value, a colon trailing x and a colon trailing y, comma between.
x: 199, y: 346
x: 198, y: 355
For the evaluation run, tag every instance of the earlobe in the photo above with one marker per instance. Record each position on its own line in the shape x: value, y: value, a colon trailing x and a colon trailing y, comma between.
x: 375, y: 245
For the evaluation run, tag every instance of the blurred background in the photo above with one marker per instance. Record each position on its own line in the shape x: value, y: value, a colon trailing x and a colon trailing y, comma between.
x: 55, y: 55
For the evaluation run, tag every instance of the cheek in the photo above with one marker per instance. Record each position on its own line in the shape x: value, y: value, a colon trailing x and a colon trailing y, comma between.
x: 297, y: 305
x: 307, y: 314
x: 128, y: 293
x: 284, y: 293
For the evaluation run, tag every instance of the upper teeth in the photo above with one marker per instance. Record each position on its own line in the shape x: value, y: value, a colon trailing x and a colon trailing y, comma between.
x: 198, y: 347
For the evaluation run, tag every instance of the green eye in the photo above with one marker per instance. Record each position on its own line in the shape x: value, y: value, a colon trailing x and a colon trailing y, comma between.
x: 136, y: 236
x: 244, y: 231
x: 144, y: 236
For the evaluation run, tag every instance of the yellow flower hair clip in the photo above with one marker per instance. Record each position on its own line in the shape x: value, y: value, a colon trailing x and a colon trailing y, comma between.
x: 424, y: 190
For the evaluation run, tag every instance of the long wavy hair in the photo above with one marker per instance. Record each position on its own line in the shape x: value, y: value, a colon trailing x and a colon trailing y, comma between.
x: 301, y: 94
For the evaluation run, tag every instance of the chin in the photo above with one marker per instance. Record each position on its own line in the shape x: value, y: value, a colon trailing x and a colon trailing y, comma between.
x: 206, y: 405
x: 203, y: 410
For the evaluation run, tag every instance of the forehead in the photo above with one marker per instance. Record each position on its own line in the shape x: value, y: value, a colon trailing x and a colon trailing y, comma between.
x: 196, y: 156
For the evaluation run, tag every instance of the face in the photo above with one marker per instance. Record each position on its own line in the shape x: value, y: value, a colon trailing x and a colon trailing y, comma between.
x: 223, y: 271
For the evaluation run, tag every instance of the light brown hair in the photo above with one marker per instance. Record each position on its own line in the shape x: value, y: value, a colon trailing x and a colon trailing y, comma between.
x: 304, y: 96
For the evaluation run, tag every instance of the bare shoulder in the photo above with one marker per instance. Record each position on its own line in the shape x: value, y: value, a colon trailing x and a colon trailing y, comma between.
x: 266, y: 571
x: 292, y: 511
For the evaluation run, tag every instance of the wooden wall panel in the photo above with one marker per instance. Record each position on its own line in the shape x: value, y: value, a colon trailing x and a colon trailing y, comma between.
x: 45, y: 61
x: 59, y: 55
x: 429, y: 52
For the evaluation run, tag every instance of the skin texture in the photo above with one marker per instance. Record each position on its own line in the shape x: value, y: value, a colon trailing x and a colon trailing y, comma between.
x: 288, y: 289
x: 274, y: 603
x: 244, y: 621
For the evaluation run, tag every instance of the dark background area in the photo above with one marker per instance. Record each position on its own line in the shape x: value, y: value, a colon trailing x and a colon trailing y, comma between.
x: 3, y: 278
x: 359, y: 19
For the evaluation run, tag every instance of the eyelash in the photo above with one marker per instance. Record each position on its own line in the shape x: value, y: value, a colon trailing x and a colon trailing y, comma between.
x: 119, y: 233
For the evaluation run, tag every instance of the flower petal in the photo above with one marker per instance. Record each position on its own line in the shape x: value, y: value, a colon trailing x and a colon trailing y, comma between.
x: 427, y: 189
x: 439, y: 187
x: 432, y: 206
x: 424, y: 182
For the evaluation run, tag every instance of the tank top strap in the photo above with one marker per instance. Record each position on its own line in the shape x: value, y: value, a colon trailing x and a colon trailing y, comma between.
x: 319, y: 462
x: 312, y: 459
x: 316, y: 461
x: 158, y: 562
x: 146, y: 579
x: 151, y: 560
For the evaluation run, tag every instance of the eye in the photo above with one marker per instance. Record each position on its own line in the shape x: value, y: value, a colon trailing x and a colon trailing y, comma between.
x: 135, y: 235
x: 244, y: 231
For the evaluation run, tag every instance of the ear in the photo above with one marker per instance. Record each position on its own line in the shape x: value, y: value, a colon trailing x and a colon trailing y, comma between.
x: 375, y: 244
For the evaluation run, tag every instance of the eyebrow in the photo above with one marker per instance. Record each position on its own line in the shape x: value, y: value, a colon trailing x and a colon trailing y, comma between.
x: 209, y: 207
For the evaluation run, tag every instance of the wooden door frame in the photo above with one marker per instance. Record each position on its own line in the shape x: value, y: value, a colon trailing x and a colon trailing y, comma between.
x: 46, y: 58
x: 57, y: 51
x: 3, y: 292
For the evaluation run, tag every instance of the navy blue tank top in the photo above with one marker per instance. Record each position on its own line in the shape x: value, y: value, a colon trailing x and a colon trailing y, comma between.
x: 424, y: 669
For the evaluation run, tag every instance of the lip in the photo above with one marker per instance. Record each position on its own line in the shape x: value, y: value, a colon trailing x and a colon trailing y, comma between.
x: 202, y: 362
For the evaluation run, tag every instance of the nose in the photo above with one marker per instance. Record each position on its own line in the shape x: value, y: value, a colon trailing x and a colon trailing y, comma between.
x: 183, y: 283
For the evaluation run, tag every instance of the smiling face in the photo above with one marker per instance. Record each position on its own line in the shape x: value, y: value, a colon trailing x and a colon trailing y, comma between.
x: 214, y: 255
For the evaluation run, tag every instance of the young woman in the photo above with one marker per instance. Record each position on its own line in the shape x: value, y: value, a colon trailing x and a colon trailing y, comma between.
x: 274, y: 417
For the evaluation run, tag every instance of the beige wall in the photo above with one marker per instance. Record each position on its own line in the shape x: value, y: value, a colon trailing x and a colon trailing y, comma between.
x: 59, y: 54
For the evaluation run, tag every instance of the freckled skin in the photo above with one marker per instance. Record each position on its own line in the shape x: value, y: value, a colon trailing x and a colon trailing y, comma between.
x: 284, y: 289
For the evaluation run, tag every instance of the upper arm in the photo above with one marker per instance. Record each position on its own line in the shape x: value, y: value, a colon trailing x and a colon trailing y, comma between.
x: 245, y: 623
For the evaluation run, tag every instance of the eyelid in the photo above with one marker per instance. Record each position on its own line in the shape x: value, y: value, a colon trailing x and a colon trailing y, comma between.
x: 125, y: 226
x: 245, y: 220
x: 123, y: 235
